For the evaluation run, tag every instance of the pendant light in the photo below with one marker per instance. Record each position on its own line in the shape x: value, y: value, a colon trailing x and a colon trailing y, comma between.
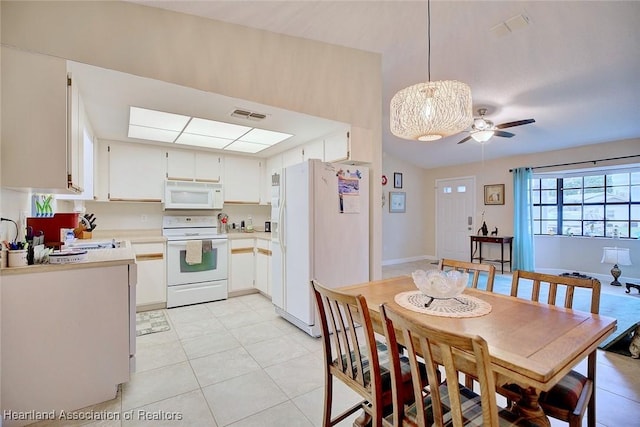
x: 431, y: 110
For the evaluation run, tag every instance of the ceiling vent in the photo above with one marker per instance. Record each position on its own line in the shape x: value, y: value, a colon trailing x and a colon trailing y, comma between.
x: 249, y: 115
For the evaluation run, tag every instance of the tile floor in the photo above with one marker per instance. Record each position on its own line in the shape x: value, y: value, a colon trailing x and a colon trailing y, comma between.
x: 236, y: 363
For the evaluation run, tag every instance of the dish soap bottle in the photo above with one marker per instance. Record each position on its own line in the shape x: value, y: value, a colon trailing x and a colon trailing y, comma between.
x: 249, y: 225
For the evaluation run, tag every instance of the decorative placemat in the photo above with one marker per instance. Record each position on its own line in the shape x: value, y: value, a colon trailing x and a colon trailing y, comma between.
x: 460, y: 306
x: 149, y: 322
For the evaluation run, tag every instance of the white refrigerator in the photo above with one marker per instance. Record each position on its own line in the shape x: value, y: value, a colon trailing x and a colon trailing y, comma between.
x: 320, y: 230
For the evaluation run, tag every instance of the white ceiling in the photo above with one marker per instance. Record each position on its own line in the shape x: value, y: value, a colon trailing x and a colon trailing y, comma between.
x: 575, y: 68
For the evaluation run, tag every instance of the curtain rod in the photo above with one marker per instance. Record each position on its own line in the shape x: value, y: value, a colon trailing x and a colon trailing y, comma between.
x: 583, y: 162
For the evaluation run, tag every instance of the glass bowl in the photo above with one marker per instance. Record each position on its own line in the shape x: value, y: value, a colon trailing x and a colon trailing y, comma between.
x: 440, y: 284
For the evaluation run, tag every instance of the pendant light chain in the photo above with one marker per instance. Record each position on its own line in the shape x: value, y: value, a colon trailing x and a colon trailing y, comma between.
x: 429, y: 40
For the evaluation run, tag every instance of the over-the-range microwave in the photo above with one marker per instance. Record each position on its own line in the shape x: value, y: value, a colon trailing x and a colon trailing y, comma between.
x: 192, y: 195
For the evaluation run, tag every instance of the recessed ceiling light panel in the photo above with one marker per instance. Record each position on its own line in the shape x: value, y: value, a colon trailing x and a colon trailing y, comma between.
x: 217, y: 129
x: 267, y: 137
x: 152, y: 134
x: 157, y: 119
x: 246, y: 147
x: 203, y: 141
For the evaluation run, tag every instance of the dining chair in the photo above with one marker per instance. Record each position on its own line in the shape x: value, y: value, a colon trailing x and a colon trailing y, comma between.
x: 449, y: 403
x: 473, y: 268
x: 575, y: 393
x: 355, y: 357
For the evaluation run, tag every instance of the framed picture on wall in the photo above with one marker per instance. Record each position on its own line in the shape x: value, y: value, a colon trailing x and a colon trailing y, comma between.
x: 494, y: 194
x: 397, y: 180
x: 397, y: 200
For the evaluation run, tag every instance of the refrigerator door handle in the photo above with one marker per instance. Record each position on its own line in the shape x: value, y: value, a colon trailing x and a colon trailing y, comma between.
x: 281, y: 225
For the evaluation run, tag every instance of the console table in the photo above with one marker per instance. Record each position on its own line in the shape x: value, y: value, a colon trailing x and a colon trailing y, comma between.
x: 501, y: 240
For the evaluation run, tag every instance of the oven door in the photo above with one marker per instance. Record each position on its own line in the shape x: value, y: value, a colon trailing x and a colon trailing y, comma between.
x: 213, y: 266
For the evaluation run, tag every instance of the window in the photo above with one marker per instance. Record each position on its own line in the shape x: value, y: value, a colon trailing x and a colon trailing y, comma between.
x: 595, y: 203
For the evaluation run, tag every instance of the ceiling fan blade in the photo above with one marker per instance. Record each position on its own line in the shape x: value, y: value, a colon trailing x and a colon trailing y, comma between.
x: 516, y: 123
x: 503, y: 134
x: 465, y: 140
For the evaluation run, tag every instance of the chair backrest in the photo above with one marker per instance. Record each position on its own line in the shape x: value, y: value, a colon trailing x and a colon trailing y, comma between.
x: 349, y: 355
x: 444, y: 348
x: 554, y: 283
x: 472, y: 268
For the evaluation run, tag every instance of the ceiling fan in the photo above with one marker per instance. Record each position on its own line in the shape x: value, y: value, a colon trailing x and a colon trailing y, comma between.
x: 482, y: 129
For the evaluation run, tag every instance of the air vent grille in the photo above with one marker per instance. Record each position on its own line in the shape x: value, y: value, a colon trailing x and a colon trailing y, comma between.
x: 249, y: 115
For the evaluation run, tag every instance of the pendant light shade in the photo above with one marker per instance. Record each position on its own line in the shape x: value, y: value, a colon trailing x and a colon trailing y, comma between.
x: 431, y: 110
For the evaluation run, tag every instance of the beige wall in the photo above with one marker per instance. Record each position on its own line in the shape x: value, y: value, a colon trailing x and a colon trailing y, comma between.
x: 399, y: 231
x: 315, y: 78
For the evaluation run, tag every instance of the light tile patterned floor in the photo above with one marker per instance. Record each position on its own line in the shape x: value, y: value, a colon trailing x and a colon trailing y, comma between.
x: 236, y: 363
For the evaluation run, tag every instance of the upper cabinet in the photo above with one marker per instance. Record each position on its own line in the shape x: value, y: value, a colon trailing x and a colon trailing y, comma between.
x: 242, y: 179
x: 42, y: 147
x: 354, y: 146
x: 188, y: 165
x: 136, y: 172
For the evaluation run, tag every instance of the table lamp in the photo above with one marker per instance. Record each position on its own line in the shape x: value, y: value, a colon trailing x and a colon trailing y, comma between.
x: 615, y: 256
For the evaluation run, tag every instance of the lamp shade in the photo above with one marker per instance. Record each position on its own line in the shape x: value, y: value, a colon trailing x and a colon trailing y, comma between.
x: 431, y: 110
x: 619, y: 256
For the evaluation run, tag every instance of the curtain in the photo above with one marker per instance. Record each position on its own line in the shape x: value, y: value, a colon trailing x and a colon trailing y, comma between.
x: 523, y: 248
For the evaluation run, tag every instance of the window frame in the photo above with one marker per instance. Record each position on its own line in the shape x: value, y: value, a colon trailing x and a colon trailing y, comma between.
x: 627, y: 227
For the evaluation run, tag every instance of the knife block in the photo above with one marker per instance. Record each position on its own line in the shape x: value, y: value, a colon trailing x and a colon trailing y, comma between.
x: 86, y: 235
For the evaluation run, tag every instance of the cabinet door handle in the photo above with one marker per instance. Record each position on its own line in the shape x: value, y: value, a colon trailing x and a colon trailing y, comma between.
x: 149, y: 257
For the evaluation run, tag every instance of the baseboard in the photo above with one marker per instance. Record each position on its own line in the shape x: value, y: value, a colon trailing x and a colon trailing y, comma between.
x: 409, y: 259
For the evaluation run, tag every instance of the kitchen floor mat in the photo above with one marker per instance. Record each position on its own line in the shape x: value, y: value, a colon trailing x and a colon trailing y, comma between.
x: 150, y: 322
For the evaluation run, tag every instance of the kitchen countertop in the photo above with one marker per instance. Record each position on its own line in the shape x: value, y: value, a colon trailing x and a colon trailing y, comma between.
x: 99, y: 258
x: 133, y: 236
x: 235, y: 235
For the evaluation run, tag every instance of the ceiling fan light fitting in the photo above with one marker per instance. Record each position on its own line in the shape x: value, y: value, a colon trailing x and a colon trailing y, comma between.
x: 431, y: 110
x: 482, y: 135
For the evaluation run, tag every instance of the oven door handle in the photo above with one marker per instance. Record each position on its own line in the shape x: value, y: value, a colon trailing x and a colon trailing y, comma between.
x: 214, y: 242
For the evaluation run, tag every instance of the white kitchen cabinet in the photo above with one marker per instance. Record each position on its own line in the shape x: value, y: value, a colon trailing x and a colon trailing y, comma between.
x: 88, y: 165
x: 208, y: 167
x: 189, y: 165
x: 292, y: 157
x: 242, y: 179
x: 263, y: 266
x: 79, y: 359
x: 336, y: 147
x: 151, y: 290
x: 181, y: 165
x: 40, y: 143
x: 313, y: 150
x: 242, y: 265
x: 136, y: 172
x: 354, y: 146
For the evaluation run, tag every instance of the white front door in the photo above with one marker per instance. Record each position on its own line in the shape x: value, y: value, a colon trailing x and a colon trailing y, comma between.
x: 455, y: 201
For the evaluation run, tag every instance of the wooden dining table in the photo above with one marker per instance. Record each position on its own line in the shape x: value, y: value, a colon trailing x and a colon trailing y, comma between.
x: 532, y: 344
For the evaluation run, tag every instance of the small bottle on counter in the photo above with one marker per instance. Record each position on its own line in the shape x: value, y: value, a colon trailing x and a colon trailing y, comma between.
x: 249, y: 225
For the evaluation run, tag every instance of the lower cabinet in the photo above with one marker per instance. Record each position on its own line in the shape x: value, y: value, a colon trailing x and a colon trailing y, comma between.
x: 151, y: 291
x: 250, y: 265
x: 263, y: 266
x: 242, y: 264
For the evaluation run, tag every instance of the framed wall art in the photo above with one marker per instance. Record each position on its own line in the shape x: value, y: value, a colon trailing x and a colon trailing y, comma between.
x: 397, y: 180
x: 494, y: 194
x: 397, y: 201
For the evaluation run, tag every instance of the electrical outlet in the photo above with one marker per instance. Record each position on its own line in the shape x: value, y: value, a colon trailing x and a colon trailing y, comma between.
x: 143, y: 218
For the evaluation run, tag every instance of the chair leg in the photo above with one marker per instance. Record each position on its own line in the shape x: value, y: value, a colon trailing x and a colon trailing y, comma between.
x: 591, y: 373
x: 328, y: 400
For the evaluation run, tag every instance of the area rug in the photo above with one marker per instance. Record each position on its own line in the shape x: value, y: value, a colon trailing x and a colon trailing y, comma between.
x: 625, y: 309
x: 150, y: 322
